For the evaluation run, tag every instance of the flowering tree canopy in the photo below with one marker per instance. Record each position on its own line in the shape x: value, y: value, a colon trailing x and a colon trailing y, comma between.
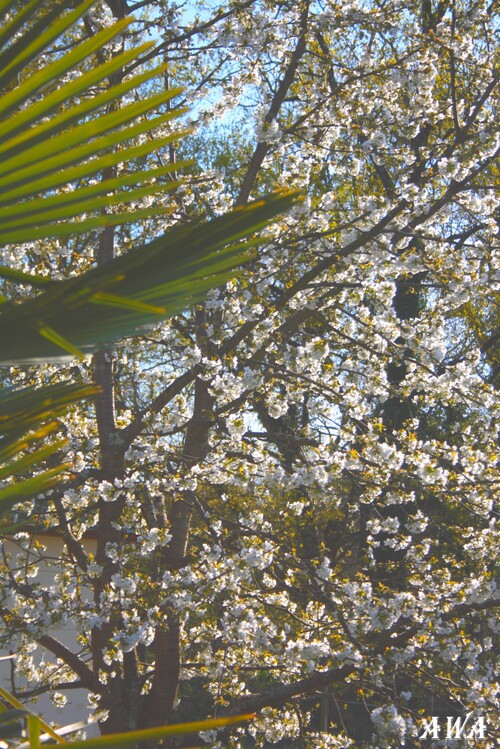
x: 291, y: 485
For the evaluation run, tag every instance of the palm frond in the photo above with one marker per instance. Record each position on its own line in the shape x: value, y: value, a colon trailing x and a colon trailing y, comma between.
x: 28, y: 417
x: 49, y: 142
x: 55, y: 133
x: 137, y: 289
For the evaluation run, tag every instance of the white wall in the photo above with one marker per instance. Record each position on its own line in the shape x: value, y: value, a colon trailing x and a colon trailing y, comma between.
x: 76, y: 708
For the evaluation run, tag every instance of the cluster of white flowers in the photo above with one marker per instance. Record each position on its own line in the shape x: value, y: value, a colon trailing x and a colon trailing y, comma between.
x: 342, y: 390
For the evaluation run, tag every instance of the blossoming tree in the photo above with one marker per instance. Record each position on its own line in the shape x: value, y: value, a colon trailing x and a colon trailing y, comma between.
x: 292, y: 485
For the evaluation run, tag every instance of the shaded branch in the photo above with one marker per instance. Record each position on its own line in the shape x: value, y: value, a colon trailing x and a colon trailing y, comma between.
x: 278, y: 695
x: 70, y: 659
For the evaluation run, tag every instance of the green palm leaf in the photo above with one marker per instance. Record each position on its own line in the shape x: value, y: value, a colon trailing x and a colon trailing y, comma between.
x: 48, y: 140
x: 24, y: 410
x: 27, y: 418
x: 136, y: 289
x: 39, y: 30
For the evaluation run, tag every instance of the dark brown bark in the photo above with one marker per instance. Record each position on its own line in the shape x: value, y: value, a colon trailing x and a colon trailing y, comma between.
x: 160, y: 700
x: 167, y: 644
x: 122, y: 694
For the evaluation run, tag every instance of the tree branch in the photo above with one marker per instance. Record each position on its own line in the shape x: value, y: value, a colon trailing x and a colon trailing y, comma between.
x: 70, y: 659
x: 262, y: 148
x: 278, y: 695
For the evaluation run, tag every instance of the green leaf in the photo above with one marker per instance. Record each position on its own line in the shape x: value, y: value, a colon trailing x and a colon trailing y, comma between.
x: 48, y: 141
x: 22, y: 93
x: 88, y: 195
x: 73, y: 208
x: 54, y: 337
x: 113, y: 300
x: 18, y: 124
x: 34, y: 169
x: 23, y: 410
x: 37, y: 38
x: 31, y: 459
x: 149, y: 734
x: 70, y: 228
x: 34, y: 731
x: 64, y: 145
x: 23, y: 490
x: 25, y: 278
x: 16, y: 447
x: 170, y: 272
x: 15, y: 702
x: 9, y: 29
x: 27, y: 417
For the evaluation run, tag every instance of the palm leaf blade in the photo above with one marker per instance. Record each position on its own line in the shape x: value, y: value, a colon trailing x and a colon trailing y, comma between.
x: 18, y: 123
x: 170, y: 272
x: 34, y: 40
